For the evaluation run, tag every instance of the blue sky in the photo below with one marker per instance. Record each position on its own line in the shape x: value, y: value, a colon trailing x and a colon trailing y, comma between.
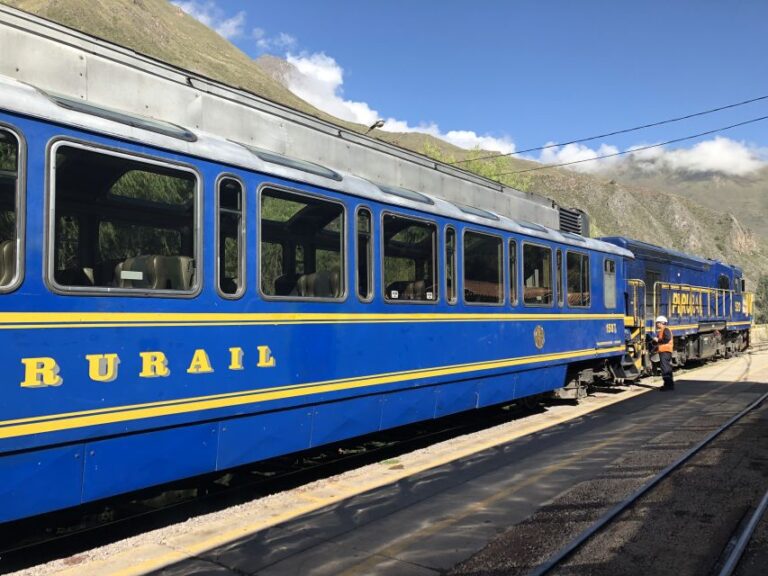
x: 517, y: 74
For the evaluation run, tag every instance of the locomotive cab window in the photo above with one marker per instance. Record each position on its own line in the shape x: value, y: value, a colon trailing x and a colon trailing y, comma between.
x: 609, y: 283
x: 301, y: 246
x: 9, y: 209
x: 537, y: 275
x: 723, y: 282
x: 577, y: 271
x: 231, y: 238
x: 121, y: 223
x: 483, y: 273
x: 409, y: 259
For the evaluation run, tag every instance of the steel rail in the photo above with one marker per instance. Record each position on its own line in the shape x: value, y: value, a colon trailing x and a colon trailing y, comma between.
x: 741, y: 544
x: 577, y: 542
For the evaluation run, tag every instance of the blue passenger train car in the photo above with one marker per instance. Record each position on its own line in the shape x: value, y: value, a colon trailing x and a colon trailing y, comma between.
x: 173, y: 303
x: 709, y: 311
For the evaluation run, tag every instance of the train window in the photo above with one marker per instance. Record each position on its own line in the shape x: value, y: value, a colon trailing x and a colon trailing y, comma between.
x: 577, y: 272
x: 475, y: 211
x: 230, y: 238
x: 513, y: 272
x: 405, y: 193
x: 409, y: 259
x: 723, y: 283
x: 10, y: 269
x: 364, y: 255
x: 537, y: 275
x: 302, y: 239
x: 609, y: 283
x: 294, y: 163
x: 559, y: 271
x: 483, y: 272
x: 121, y: 223
x: 158, y: 126
x: 450, y: 264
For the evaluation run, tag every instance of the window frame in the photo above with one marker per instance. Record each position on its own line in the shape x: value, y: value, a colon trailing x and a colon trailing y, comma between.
x: 49, y: 249
x: 455, y: 261
x: 615, y: 306
x: 503, y: 278
x: 435, y: 253
x: 343, y: 292
x: 20, y: 205
x: 589, y: 276
x: 242, y: 241
x: 551, y: 272
x: 371, y: 256
x: 559, y: 269
x: 514, y: 290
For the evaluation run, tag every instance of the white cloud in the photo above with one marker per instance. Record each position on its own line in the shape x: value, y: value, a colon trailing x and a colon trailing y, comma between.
x: 211, y: 15
x: 319, y: 80
x: 579, y: 153
x: 267, y: 43
x: 720, y: 154
x: 717, y: 155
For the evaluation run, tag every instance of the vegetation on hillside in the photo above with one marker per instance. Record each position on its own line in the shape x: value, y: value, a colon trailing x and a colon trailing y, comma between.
x: 496, y: 168
x: 761, y: 301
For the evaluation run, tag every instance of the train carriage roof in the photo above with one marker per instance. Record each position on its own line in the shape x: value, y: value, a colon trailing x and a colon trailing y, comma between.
x: 24, y: 99
x: 646, y: 251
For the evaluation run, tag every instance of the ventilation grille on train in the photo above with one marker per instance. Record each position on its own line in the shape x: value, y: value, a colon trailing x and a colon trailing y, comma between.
x: 574, y: 220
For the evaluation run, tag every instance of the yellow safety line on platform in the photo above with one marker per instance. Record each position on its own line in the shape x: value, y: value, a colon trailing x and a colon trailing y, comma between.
x: 182, y: 551
x: 86, y: 418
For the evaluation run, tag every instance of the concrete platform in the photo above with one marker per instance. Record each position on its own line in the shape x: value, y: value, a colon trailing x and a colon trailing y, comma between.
x: 425, y: 516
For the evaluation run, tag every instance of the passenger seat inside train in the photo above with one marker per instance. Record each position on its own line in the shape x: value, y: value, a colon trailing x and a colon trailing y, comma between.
x: 155, y: 272
x: 7, y: 262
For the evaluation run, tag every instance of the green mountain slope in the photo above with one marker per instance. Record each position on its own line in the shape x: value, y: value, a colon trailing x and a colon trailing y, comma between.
x: 686, y: 215
x: 746, y: 197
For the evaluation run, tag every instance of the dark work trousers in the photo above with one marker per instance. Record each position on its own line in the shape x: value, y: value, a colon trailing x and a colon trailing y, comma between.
x: 665, y: 359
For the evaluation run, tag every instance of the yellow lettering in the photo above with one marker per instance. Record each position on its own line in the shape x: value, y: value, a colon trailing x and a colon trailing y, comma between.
x: 266, y: 360
x: 200, y: 363
x: 102, y: 367
x: 40, y: 372
x: 153, y: 364
x: 235, y: 358
x: 675, y: 303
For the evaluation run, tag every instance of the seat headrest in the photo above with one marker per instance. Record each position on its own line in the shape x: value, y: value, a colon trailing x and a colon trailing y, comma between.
x: 7, y: 261
x: 156, y: 272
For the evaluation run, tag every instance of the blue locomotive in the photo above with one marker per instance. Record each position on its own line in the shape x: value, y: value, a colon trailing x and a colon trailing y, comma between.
x: 174, y: 303
x: 705, y: 301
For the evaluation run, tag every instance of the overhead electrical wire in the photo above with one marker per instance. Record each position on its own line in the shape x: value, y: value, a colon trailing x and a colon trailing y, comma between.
x: 639, y: 149
x: 616, y: 132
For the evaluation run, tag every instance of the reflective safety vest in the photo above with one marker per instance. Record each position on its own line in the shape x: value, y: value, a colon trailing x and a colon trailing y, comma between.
x: 669, y: 345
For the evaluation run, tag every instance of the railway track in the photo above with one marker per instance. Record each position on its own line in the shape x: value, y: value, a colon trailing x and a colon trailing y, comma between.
x: 564, y: 560
x: 742, y: 539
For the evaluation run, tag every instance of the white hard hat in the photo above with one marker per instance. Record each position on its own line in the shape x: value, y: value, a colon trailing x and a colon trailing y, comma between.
x: 662, y: 319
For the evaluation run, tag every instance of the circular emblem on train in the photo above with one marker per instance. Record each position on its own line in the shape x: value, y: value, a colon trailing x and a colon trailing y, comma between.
x: 538, y: 337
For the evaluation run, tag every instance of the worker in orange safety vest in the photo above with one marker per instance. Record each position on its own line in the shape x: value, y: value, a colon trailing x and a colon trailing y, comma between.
x: 665, y: 343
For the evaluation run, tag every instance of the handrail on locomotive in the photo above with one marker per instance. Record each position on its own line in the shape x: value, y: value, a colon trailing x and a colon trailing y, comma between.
x: 686, y: 301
